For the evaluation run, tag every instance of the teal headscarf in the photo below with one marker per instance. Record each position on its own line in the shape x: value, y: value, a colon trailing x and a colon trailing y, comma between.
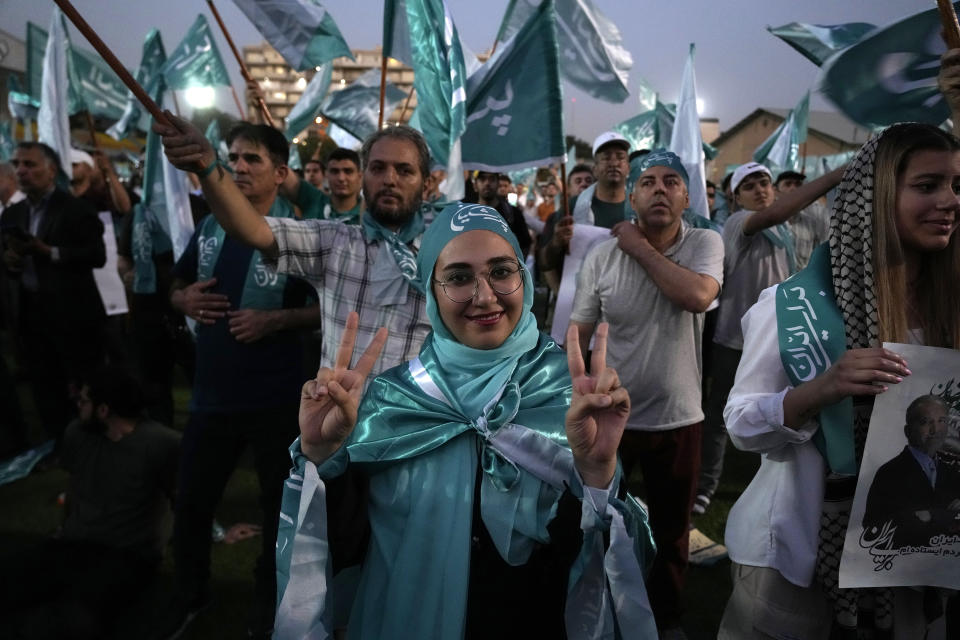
x: 656, y: 158
x: 475, y: 375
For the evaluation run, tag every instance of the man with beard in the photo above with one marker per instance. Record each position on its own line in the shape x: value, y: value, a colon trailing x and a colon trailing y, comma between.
x: 368, y: 268
x: 248, y: 375
x: 122, y: 477
x: 487, y: 185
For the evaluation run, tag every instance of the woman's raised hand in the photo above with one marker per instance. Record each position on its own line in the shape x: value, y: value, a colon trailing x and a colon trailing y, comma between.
x: 598, y: 410
x: 329, y: 403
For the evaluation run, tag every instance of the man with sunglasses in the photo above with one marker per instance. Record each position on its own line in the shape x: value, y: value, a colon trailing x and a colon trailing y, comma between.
x: 652, y: 283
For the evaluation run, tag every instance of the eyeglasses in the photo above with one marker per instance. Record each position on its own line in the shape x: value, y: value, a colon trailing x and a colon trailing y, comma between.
x: 463, y: 286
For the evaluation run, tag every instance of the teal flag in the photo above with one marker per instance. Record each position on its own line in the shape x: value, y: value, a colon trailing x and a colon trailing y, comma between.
x: 594, y: 58
x: 293, y: 159
x: 93, y: 84
x: 212, y: 134
x: 7, y: 145
x: 308, y: 106
x: 817, y: 42
x: 438, y: 65
x: 196, y: 62
x: 22, y: 105
x: 53, y: 121
x: 646, y: 96
x: 301, y: 31
x: 356, y: 107
x: 149, y: 76
x: 890, y: 75
x: 36, y: 50
x: 653, y: 129
x: 685, y: 140
x: 517, y: 93
x: 650, y: 129
x: 781, y: 151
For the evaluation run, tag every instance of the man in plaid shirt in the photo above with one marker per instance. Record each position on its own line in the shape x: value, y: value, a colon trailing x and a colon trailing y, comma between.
x: 366, y: 268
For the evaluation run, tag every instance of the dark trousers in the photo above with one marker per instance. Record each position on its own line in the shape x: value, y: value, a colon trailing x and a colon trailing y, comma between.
x: 70, y: 589
x: 723, y: 369
x: 58, y: 354
x: 211, y: 446
x: 670, y: 462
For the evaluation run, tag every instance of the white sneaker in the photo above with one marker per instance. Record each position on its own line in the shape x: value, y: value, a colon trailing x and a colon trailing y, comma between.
x: 700, y: 504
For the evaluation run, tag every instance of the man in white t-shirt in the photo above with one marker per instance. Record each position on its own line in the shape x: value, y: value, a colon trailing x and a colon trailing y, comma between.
x: 652, y: 284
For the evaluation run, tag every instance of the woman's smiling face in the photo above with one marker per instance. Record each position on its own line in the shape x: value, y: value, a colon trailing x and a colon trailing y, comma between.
x: 488, y: 318
x: 927, y: 200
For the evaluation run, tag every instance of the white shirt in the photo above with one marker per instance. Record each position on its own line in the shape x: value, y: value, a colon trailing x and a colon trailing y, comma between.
x: 776, y: 521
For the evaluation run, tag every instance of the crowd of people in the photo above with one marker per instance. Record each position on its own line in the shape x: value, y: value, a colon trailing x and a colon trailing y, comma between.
x: 456, y: 472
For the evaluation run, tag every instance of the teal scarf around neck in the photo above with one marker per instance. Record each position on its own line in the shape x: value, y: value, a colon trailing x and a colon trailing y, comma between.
x: 395, y: 267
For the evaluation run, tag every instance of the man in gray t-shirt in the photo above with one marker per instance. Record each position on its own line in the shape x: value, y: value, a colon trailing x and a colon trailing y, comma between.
x: 760, y: 251
x: 652, y: 284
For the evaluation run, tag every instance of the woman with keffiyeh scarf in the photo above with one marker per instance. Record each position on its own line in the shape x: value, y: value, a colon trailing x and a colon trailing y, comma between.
x: 889, y: 273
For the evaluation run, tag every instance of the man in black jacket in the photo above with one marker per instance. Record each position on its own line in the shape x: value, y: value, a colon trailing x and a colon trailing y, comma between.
x: 487, y: 185
x: 51, y: 243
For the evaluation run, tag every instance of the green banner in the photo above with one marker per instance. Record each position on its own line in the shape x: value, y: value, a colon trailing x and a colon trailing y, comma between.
x: 301, y: 31
x: 781, y: 151
x: 517, y: 93
x: 150, y: 77
x: 594, y: 58
x: 310, y: 102
x: 890, y: 75
x: 196, y: 62
x: 817, y: 42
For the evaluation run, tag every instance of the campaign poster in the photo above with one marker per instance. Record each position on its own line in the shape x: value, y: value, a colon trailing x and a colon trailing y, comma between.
x: 904, y: 526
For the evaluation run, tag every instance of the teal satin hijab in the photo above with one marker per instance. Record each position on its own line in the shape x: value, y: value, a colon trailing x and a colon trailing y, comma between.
x: 423, y: 452
x: 474, y: 376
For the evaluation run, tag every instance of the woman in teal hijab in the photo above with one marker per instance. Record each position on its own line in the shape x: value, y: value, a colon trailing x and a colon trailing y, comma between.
x: 494, y: 495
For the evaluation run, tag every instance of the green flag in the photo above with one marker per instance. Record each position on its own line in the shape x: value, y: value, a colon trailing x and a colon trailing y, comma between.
x: 212, y: 134
x: 302, y: 31
x: 149, y: 76
x: 36, y: 49
x: 685, y: 140
x: 93, y: 84
x: 434, y: 51
x: 517, y: 92
x: 781, y: 151
x: 356, y: 107
x: 7, y: 145
x: 53, y: 121
x: 649, y: 129
x: 196, y: 62
x: 817, y: 42
x: 308, y: 106
x: 293, y: 159
x: 594, y: 58
x: 890, y: 75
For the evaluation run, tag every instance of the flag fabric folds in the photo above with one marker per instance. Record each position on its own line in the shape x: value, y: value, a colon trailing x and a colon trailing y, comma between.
x: 594, y: 58
x: 890, y: 75
x: 53, y: 121
x: 781, y: 151
x: 434, y: 51
x: 196, y: 62
x: 308, y: 106
x: 355, y: 108
x: 685, y: 141
x: 517, y: 90
x: 149, y: 76
x: 817, y: 42
x: 302, y: 31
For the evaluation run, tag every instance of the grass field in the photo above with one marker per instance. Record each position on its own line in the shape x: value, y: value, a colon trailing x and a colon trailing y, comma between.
x: 30, y: 513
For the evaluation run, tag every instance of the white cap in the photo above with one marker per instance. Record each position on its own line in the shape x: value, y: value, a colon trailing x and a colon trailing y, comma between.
x: 745, y: 170
x: 81, y: 157
x: 608, y: 137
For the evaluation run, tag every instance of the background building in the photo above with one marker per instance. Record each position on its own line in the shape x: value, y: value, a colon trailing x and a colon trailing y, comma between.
x: 827, y: 133
x: 283, y: 85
